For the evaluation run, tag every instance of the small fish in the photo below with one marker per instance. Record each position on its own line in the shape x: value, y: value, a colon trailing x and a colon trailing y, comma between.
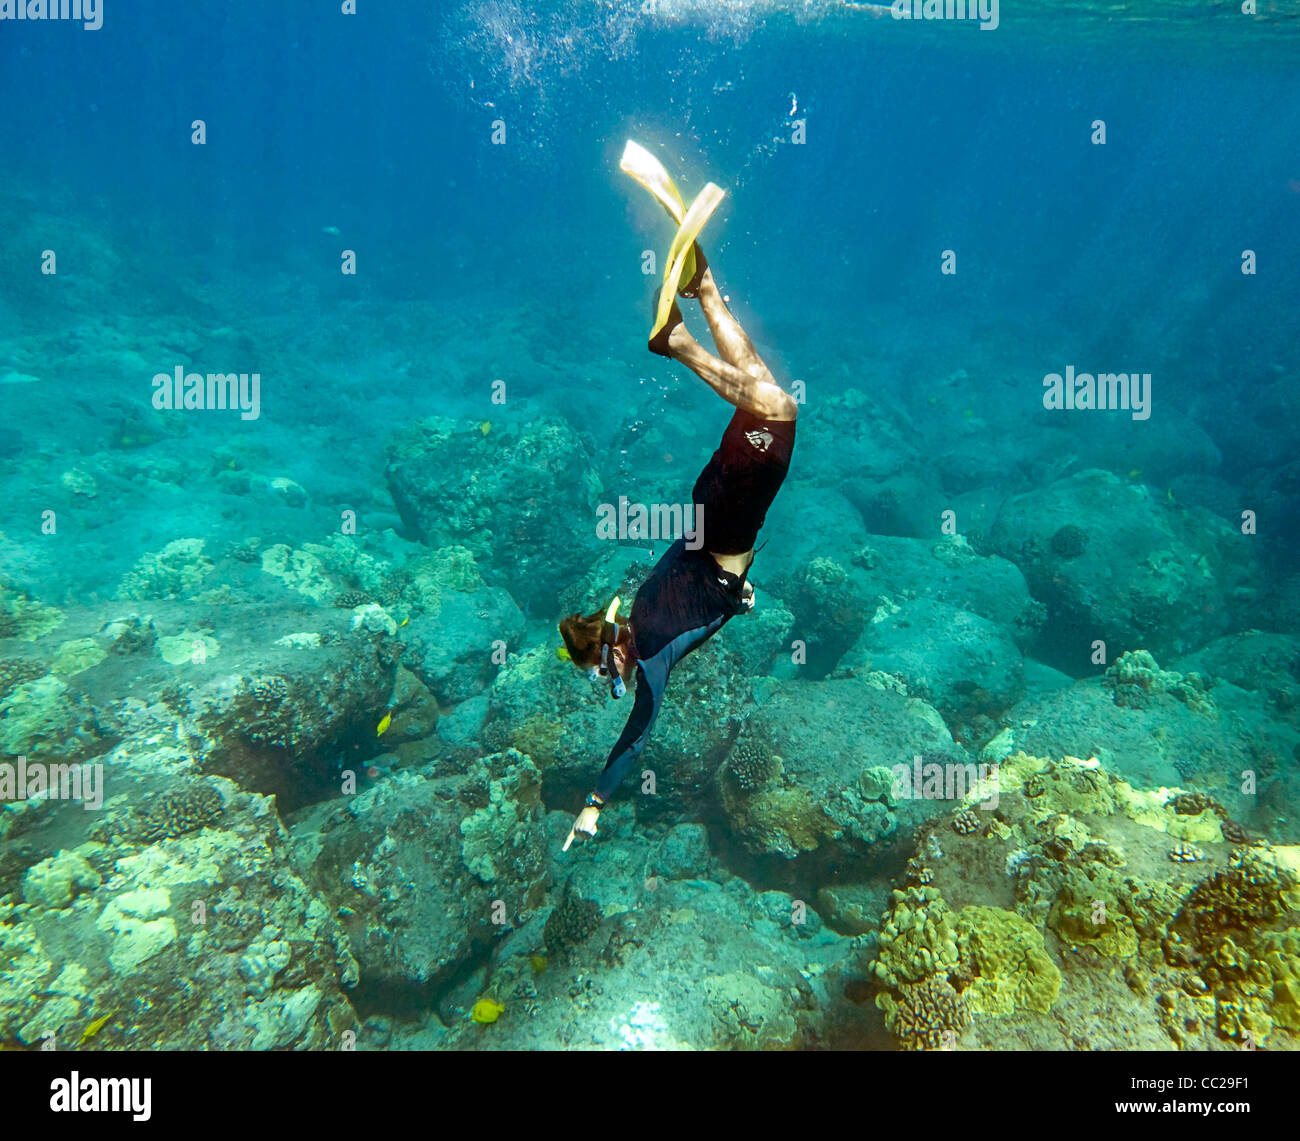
x: 95, y: 1027
x: 486, y: 1011
x: 562, y: 653
x: 384, y: 724
x: 485, y: 427
x: 333, y: 231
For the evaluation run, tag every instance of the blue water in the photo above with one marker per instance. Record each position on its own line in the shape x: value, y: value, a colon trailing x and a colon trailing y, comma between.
x: 468, y: 154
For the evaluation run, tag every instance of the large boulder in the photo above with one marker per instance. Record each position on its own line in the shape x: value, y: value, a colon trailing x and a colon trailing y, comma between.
x: 813, y: 767
x: 452, y: 652
x: 962, y: 664
x: 427, y: 870
x: 274, y: 699
x: 521, y: 499
x: 1114, y: 564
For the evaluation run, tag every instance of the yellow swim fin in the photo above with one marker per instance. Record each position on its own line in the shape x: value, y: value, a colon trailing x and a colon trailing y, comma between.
x: 650, y: 173
x: 640, y: 164
x: 680, y: 252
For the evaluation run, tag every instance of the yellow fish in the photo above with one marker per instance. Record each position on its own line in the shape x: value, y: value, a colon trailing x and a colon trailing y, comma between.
x: 95, y: 1027
x: 486, y: 1010
x: 485, y: 427
x: 384, y: 724
x: 563, y: 654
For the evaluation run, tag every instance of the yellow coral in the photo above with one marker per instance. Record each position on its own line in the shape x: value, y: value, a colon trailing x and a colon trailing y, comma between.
x: 1013, y: 969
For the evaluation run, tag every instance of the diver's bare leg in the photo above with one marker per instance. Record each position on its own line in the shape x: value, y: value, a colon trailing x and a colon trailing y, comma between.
x: 734, y: 345
x: 757, y: 393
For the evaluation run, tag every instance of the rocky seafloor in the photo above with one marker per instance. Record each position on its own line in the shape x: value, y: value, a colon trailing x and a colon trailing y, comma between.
x: 268, y: 871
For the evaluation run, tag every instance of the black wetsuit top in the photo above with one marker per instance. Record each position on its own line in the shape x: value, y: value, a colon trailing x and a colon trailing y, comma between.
x: 688, y: 598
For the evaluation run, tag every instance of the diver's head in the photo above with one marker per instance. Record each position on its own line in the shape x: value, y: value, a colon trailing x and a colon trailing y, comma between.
x: 582, y: 639
x: 596, y: 643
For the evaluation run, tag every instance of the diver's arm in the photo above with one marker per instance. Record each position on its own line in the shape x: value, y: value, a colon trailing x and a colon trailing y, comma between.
x: 622, y: 756
x: 632, y: 740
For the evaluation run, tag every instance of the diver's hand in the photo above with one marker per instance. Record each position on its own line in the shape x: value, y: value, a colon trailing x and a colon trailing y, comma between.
x: 585, y: 823
x: 747, y: 596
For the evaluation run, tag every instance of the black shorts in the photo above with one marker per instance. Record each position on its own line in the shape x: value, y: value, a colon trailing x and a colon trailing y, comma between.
x: 738, y: 484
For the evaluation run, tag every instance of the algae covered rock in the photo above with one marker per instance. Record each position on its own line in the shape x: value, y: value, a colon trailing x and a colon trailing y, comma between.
x: 827, y: 734
x: 458, y: 653
x: 522, y: 500
x: 200, y: 907
x: 1150, y: 574
x: 830, y: 611
x: 365, y: 853
x: 960, y: 663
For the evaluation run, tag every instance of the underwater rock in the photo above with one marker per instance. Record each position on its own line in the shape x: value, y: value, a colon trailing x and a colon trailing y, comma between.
x: 960, y: 663
x: 1169, y: 730
x: 683, y: 853
x: 521, y: 500
x: 1186, y: 574
x: 827, y: 733
x: 365, y: 855
x: 830, y: 611
x: 950, y: 571
x: 655, y: 975
x: 207, y: 907
x: 1253, y: 660
x: 453, y: 654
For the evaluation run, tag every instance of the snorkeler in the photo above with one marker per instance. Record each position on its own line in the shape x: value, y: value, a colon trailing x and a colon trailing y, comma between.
x: 691, y: 594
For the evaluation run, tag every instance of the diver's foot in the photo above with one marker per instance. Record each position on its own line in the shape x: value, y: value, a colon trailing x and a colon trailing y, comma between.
x: 659, y: 343
x: 692, y: 288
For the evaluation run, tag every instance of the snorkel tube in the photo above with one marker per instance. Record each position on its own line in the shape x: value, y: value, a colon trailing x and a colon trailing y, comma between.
x: 608, y: 637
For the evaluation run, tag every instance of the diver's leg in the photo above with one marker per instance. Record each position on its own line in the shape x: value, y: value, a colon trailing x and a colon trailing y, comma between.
x: 757, y: 394
x: 734, y: 345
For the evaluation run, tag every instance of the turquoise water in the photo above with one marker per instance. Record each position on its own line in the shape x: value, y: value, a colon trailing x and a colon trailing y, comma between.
x: 405, y: 238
